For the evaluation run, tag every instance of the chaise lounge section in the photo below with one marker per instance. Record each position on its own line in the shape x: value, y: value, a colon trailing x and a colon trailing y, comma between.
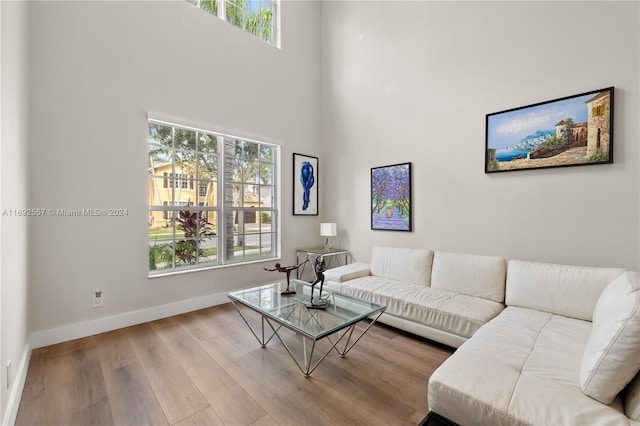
x: 561, y: 353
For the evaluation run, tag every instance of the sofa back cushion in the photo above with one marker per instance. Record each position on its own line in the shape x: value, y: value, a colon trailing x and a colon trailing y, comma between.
x: 632, y: 399
x: 473, y: 275
x: 402, y: 264
x: 612, y: 354
x: 572, y: 291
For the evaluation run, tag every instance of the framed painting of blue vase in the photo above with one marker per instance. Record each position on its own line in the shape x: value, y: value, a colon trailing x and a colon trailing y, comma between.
x: 305, y: 185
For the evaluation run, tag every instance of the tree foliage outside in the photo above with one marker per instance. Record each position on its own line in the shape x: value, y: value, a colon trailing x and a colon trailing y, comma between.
x: 196, y: 230
x: 188, y: 250
x: 160, y: 256
x: 260, y: 24
x: 266, y: 218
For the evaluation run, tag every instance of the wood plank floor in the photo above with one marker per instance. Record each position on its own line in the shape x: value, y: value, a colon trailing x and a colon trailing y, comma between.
x: 206, y: 368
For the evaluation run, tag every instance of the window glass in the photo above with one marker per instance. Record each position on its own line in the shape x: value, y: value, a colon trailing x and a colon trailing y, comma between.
x: 257, y: 17
x: 199, y: 217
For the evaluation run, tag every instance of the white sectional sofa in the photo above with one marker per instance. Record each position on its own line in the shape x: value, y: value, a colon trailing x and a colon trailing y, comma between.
x: 538, y: 344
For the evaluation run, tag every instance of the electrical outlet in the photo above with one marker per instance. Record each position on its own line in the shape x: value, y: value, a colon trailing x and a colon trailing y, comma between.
x: 98, y: 300
x: 8, y: 374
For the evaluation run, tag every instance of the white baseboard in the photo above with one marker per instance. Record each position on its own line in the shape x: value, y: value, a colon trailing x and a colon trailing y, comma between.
x: 42, y: 338
x: 15, y: 394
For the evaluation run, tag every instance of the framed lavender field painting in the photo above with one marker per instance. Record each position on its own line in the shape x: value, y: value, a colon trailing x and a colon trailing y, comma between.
x: 391, y: 197
x: 572, y: 131
x: 305, y: 185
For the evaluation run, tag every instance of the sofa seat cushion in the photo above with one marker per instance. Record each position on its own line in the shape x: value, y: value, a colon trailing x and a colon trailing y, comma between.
x: 522, y: 367
x: 451, y: 312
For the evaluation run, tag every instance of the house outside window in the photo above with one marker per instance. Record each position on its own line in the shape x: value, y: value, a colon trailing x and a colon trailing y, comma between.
x: 203, y: 189
x: 212, y: 198
x: 257, y: 17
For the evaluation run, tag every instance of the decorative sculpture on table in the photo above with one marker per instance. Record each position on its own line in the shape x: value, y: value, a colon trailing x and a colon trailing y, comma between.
x: 287, y: 270
x: 319, y: 267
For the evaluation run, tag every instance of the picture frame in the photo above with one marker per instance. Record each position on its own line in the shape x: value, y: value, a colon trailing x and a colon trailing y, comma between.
x: 575, y: 130
x: 391, y: 207
x: 305, y: 185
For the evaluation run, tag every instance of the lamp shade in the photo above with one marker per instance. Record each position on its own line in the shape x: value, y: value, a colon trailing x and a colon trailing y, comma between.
x: 328, y: 229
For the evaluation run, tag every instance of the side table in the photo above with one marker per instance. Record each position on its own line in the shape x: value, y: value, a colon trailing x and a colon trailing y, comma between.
x: 333, y: 257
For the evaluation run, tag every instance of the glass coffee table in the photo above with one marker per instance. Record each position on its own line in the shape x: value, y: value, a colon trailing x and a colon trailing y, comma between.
x: 336, y: 323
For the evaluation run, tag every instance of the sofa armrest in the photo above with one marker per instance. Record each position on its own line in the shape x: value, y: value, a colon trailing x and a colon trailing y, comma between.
x: 347, y: 272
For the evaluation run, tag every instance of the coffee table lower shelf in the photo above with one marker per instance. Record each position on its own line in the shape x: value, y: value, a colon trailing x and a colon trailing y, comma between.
x: 337, y: 323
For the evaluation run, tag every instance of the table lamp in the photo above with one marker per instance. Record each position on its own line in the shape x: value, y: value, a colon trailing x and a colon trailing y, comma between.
x: 328, y: 230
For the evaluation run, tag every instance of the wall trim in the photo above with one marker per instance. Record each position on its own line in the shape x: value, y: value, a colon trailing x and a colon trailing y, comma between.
x: 65, y: 333
x: 15, y: 395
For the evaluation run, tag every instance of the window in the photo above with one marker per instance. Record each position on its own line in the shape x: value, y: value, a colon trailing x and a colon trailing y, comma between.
x: 176, y: 180
x: 212, y: 198
x: 203, y: 189
x: 597, y: 110
x: 257, y: 17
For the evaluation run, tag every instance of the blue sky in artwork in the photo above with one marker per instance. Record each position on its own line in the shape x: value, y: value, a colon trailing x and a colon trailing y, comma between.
x: 507, y: 129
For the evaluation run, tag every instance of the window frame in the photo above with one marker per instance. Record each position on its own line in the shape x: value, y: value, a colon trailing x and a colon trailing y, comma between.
x: 220, y: 8
x: 220, y: 209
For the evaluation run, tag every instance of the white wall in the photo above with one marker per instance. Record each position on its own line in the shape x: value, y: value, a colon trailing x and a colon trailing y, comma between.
x: 97, y: 68
x: 13, y: 195
x: 401, y: 81
x: 413, y: 81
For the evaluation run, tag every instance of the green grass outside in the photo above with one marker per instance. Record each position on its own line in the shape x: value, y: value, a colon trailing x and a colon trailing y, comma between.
x: 159, y: 233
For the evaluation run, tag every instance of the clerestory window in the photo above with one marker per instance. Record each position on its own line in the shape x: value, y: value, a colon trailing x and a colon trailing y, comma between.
x: 257, y: 17
x: 212, y: 198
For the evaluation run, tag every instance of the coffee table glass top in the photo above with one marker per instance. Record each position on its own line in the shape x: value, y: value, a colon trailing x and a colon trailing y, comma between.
x: 292, y: 311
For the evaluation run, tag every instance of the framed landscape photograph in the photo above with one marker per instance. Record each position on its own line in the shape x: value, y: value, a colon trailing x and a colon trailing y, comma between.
x: 305, y: 185
x: 571, y: 131
x: 391, y: 197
